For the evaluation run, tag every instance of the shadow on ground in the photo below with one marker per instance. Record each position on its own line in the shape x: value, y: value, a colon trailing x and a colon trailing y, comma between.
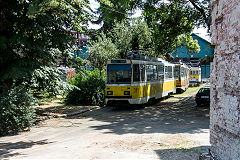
x: 180, y: 153
x: 166, y: 116
x: 58, y: 110
x: 6, y: 149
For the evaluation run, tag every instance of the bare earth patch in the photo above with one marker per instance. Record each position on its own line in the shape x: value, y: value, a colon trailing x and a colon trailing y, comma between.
x: 57, y: 107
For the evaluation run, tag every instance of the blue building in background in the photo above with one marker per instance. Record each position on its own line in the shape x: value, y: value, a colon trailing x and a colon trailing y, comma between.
x: 82, y: 51
x: 81, y: 43
x: 194, y: 59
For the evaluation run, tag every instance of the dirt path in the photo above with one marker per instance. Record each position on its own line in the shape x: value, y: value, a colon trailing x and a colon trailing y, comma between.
x: 172, y: 129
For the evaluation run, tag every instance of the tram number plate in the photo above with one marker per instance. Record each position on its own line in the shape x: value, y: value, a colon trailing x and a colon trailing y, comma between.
x: 204, y: 96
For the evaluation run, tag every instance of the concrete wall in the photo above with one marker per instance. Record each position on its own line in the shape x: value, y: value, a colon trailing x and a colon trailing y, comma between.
x: 225, y: 79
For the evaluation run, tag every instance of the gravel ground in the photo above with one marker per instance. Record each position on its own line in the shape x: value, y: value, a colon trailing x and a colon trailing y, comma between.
x: 170, y: 129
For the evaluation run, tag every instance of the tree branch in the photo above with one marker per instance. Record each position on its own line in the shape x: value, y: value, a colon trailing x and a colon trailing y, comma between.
x: 201, y: 10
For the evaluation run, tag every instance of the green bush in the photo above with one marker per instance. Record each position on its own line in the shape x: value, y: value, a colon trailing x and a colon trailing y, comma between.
x: 47, y: 82
x: 15, y: 113
x: 89, y: 88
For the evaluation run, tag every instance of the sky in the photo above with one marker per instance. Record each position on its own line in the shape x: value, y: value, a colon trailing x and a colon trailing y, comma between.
x: 202, y: 32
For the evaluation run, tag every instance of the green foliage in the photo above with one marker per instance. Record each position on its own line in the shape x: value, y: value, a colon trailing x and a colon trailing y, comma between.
x: 49, y: 82
x: 77, y: 63
x: 114, y: 11
x: 171, y: 19
x: 135, y: 36
x: 167, y: 21
x: 102, y: 50
x: 33, y: 35
x: 121, y: 36
x: 90, y: 88
x: 15, y: 113
x: 30, y: 31
x: 187, y: 41
x: 142, y: 37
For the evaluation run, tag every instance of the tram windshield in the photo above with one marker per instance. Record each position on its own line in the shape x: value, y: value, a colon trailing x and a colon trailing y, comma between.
x: 119, y: 74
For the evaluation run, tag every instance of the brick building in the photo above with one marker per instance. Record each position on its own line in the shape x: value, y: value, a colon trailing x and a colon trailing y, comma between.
x: 225, y: 79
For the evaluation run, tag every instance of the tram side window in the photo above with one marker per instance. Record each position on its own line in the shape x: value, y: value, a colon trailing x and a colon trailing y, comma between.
x: 182, y: 72
x: 155, y: 74
x: 166, y: 72
x: 176, y: 72
x: 160, y: 69
x: 142, y: 69
x: 192, y: 73
x: 136, y: 73
x: 149, y: 71
x: 170, y: 72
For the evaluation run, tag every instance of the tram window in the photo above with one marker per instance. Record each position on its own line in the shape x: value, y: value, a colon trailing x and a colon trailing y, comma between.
x: 182, y: 72
x: 176, y: 72
x: 119, y: 73
x: 170, y: 72
x: 160, y: 72
x: 166, y: 72
x: 142, y: 68
x: 155, y: 74
x: 149, y: 71
x: 194, y: 73
x: 136, y: 73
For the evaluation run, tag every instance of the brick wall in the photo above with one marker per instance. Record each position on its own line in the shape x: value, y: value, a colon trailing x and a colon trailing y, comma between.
x: 225, y: 79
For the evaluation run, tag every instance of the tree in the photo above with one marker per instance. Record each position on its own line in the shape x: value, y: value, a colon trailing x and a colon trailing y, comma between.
x: 114, y: 11
x: 168, y: 20
x: 102, y: 50
x: 134, y: 35
x: 30, y: 30
x: 187, y: 41
x: 33, y: 34
x: 203, y: 7
x: 142, y: 37
x: 121, y: 36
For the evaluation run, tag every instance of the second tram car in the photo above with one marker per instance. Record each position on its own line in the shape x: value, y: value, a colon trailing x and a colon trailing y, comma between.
x: 138, y: 81
x: 195, y: 76
x: 182, y: 77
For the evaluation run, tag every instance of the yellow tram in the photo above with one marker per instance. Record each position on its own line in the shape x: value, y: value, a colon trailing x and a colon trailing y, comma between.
x: 195, y: 76
x: 137, y: 81
x: 182, y: 77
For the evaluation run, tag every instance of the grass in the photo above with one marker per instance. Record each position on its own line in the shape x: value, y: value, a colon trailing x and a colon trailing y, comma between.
x: 44, y: 100
x: 190, y: 90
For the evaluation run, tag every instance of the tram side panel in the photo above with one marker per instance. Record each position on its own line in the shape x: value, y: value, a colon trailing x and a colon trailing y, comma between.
x: 169, y: 84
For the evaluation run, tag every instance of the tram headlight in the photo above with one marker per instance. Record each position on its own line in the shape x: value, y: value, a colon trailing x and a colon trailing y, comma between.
x: 126, y: 92
x: 109, y: 92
